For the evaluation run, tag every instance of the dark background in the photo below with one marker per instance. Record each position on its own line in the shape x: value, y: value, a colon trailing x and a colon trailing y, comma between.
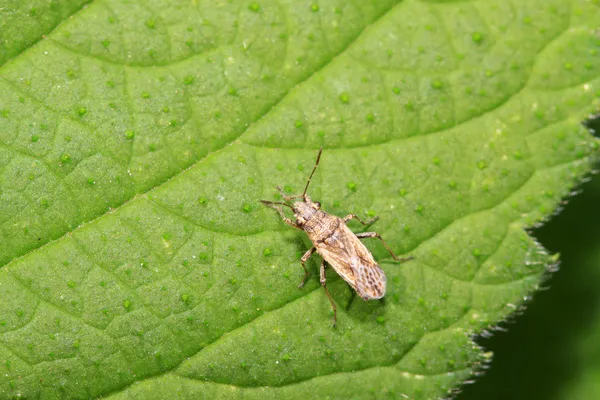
x: 540, y: 353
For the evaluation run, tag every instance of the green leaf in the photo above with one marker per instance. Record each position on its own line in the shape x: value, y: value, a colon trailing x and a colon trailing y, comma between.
x: 552, y: 350
x: 138, y: 139
x: 23, y: 23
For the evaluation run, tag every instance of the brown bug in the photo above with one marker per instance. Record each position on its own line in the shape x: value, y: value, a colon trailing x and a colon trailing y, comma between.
x: 336, y: 244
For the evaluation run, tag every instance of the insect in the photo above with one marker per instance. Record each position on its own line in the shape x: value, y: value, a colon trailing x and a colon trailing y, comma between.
x: 336, y: 244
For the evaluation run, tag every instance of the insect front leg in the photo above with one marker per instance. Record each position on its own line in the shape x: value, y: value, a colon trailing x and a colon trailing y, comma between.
x: 364, y: 235
x: 305, y: 258
x: 286, y: 197
x: 354, y: 216
x: 324, y: 284
x: 281, y: 214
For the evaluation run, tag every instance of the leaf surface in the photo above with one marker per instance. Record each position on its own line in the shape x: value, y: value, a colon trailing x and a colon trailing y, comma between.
x: 551, y: 351
x: 138, y: 139
x: 23, y: 23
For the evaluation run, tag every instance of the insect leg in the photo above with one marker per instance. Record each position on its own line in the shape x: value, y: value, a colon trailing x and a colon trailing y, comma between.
x: 305, y: 258
x: 353, y: 216
x: 281, y: 214
x: 363, y: 235
x: 286, y: 197
x: 324, y: 284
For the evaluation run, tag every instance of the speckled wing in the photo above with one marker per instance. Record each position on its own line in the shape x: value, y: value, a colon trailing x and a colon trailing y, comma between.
x: 354, y: 263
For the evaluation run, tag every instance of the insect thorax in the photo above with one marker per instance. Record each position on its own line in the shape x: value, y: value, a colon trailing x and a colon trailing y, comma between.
x: 321, y: 226
x: 304, y: 211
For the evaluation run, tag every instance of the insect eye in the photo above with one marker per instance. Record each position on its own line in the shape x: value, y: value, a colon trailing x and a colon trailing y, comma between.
x: 317, y: 204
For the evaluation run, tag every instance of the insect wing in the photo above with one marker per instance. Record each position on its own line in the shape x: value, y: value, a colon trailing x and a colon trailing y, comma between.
x: 354, y: 263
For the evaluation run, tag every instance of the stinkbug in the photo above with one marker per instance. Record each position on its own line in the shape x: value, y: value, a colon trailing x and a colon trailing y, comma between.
x: 336, y: 244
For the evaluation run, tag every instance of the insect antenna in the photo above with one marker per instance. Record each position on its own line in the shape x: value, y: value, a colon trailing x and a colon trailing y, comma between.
x: 313, y: 171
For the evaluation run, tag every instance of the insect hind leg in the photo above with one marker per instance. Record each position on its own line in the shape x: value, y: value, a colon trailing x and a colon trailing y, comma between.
x: 364, y: 235
x: 324, y: 284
